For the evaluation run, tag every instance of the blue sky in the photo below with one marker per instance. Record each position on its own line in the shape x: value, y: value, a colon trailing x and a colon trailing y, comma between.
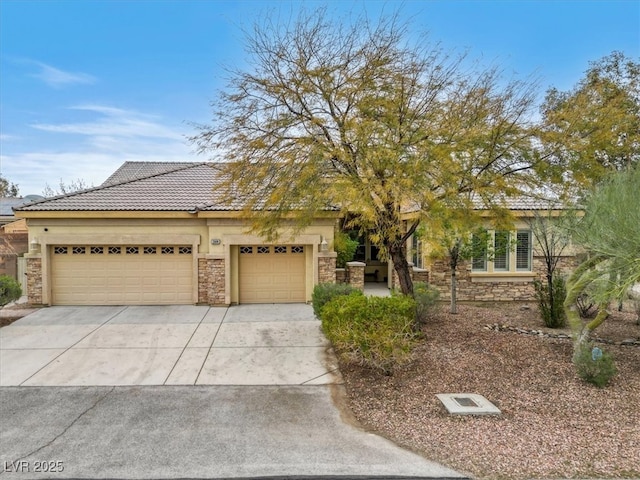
x: 86, y: 85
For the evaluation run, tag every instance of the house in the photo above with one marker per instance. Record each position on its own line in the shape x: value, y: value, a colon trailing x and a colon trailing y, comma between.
x: 159, y: 233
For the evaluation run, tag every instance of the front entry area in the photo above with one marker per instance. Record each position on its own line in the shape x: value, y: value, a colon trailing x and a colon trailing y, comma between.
x: 272, y: 274
x: 121, y: 274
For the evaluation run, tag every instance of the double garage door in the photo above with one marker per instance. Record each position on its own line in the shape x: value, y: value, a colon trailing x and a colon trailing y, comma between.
x: 121, y: 275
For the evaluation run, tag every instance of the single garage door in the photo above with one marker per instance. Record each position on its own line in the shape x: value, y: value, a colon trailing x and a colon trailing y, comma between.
x: 121, y: 275
x: 272, y: 274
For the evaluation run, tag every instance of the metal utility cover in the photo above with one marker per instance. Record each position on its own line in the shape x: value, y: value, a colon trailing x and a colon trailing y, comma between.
x: 467, y: 404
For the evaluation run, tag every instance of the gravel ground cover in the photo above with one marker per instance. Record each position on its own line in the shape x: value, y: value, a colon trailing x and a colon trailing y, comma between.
x: 553, y: 425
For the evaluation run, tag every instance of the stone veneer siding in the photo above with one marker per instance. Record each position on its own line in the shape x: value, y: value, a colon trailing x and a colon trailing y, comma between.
x: 484, y: 289
x: 327, y: 268
x: 203, y: 280
x: 216, y: 282
x: 211, y: 281
x: 34, y: 280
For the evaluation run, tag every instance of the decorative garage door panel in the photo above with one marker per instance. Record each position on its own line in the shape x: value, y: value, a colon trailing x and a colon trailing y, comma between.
x: 121, y: 275
x: 272, y: 274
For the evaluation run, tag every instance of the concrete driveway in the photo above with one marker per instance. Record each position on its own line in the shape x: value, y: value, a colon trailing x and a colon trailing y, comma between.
x: 183, y: 392
x: 166, y: 345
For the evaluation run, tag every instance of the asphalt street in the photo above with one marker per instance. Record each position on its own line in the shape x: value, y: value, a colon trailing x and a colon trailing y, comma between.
x: 142, y: 432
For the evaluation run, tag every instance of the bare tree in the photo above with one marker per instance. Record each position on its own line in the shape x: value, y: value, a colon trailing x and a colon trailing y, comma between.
x: 354, y: 115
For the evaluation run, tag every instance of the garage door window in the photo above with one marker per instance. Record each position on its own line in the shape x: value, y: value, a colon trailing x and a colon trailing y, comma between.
x: 113, y: 250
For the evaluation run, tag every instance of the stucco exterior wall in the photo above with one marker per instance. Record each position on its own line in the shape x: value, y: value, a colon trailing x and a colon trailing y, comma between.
x: 215, y: 244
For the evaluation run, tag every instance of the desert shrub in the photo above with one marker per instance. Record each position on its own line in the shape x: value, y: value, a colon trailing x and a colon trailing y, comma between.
x: 552, y: 307
x: 426, y: 298
x: 10, y: 289
x: 593, y: 365
x: 345, y: 247
x: 376, y: 332
x: 325, y: 292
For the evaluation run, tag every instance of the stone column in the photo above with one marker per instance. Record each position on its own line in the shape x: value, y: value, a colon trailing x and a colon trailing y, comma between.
x: 215, y: 293
x: 34, y: 279
x: 327, y: 267
x: 355, y: 274
x: 203, y: 280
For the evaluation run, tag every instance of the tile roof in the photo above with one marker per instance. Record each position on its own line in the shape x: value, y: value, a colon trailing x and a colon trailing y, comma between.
x: 524, y: 202
x: 135, y: 170
x: 7, y: 204
x: 186, y: 186
x: 182, y: 187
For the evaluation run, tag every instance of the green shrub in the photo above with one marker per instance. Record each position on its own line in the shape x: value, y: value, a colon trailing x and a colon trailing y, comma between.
x: 593, y: 365
x: 10, y: 289
x: 345, y: 247
x: 426, y: 298
x: 325, y: 292
x: 377, y: 332
x: 552, y: 308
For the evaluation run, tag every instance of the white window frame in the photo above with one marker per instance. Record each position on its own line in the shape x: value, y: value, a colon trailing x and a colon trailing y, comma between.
x: 513, y: 254
x: 529, y: 252
x: 504, y: 257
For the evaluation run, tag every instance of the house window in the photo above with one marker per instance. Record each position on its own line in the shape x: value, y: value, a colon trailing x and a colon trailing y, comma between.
x: 280, y: 249
x: 416, y: 251
x: 504, y: 255
x: 501, y: 251
x: 479, y: 247
x: 114, y: 250
x: 97, y: 250
x: 132, y: 250
x: 78, y: 250
x: 263, y: 249
x: 166, y: 250
x: 246, y: 250
x: 524, y: 251
x: 184, y: 250
x: 297, y: 249
x: 60, y: 250
x: 149, y: 250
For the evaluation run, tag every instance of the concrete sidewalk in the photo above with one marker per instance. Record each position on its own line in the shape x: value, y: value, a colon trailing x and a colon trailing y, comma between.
x: 167, y: 345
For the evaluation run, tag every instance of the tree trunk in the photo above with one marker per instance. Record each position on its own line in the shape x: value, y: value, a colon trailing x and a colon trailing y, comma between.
x: 454, y: 289
x: 454, y: 257
x: 398, y: 256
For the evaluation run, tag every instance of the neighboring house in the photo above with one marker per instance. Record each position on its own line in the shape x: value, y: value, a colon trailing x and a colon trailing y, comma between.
x: 13, y: 237
x: 158, y: 233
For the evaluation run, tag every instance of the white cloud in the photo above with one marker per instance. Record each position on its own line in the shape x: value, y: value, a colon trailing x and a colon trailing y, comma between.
x: 56, y: 78
x: 92, y: 150
x: 115, y: 122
